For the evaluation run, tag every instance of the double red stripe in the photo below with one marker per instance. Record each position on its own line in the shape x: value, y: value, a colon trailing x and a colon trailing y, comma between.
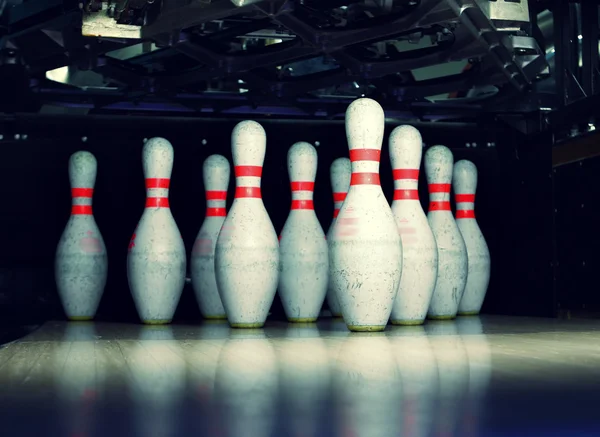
x: 85, y: 193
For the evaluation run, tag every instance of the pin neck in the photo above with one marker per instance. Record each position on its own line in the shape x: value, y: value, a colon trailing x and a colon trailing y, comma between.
x: 302, y: 195
x: 406, y: 183
x: 81, y: 201
x: 157, y: 192
x: 365, y: 166
x: 439, y: 197
x: 465, y: 206
x: 215, y: 203
x: 247, y: 180
x: 338, y: 201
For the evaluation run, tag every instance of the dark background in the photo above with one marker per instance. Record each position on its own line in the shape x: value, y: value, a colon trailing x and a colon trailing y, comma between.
x: 513, y: 204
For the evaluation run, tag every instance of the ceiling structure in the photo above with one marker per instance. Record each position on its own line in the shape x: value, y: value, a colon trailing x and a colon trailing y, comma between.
x: 421, y: 59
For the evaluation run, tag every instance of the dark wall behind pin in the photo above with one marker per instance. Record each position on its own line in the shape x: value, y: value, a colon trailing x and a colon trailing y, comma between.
x: 35, y: 189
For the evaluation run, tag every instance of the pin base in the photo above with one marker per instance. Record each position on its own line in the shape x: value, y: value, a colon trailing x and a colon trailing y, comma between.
x: 302, y: 319
x: 156, y: 322
x: 215, y: 321
x: 247, y: 325
x: 217, y: 317
x: 446, y: 317
x: 469, y: 313
x: 366, y: 328
x: 408, y: 322
x: 81, y: 318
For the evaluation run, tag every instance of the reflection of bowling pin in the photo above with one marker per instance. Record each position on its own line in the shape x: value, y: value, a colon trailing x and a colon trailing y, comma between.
x: 367, y: 387
x: 156, y: 260
x: 157, y: 372
x: 215, y: 172
x: 419, y: 250
x: 340, y: 182
x: 453, y: 374
x: 452, y: 253
x: 81, y: 264
x: 304, y: 266
x: 304, y: 376
x: 479, y: 354
x: 247, y: 251
x: 478, y: 278
x: 201, y: 352
x: 246, y: 385
x: 80, y: 377
x: 419, y: 373
x: 365, y: 249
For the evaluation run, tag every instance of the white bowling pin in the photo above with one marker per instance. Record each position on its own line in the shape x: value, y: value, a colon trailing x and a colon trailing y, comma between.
x: 247, y: 251
x: 304, y: 266
x: 340, y: 182
x: 419, y: 250
x: 216, y: 174
x: 478, y: 278
x: 452, y: 253
x: 81, y: 264
x: 156, y: 262
x: 365, y: 251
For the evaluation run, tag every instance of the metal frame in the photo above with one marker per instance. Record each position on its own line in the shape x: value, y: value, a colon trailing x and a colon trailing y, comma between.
x: 502, y: 56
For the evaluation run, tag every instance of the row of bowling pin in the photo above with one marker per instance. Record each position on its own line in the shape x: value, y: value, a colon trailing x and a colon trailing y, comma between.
x: 237, y: 263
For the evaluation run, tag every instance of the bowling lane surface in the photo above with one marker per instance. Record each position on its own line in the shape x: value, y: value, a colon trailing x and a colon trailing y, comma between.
x: 488, y: 376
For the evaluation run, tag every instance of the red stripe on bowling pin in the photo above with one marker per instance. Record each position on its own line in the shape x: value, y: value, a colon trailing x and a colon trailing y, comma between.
x: 254, y: 171
x: 439, y: 205
x: 365, y: 178
x: 462, y: 213
x: 81, y: 193
x: 405, y: 174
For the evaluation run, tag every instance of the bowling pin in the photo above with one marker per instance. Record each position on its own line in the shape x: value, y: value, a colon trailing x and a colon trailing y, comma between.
x: 216, y: 174
x: 304, y: 267
x: 340, y: 182
x: 419, y: 250
x: 452, y: 253
x: 81, y: 265
x: 156, y: 261
x: 365, y: 251
x: 478, y: 278
x: 247, y: 250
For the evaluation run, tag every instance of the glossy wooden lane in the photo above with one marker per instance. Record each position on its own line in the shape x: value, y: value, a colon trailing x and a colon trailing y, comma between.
x: 469, y: 377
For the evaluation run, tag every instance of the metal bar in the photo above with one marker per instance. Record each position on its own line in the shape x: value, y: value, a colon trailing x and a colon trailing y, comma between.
x: 188, y: 16
x: 560, y: 12
x: 51, y: 121
x: 589, y: 34
x: 578, y: 149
